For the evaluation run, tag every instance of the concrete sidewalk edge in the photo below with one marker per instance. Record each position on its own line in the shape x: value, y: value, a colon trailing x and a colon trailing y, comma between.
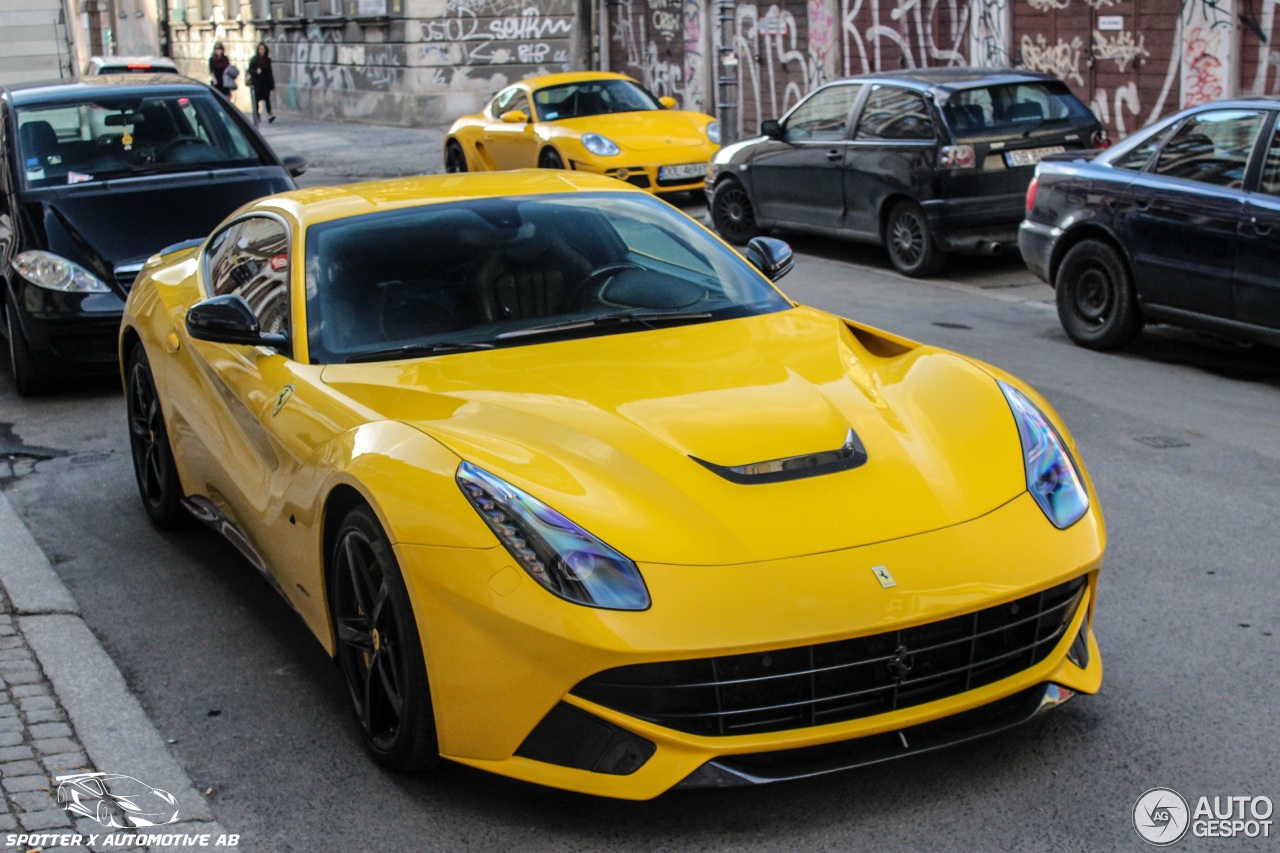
x: 108, y: 720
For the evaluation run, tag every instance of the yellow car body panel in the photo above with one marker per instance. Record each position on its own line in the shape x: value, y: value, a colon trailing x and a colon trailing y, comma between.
x: 601, y: 429
x: 648, y: 139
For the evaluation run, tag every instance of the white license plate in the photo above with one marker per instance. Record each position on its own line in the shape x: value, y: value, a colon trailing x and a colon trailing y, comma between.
x: 1030, y: 156
x: 688, y: 171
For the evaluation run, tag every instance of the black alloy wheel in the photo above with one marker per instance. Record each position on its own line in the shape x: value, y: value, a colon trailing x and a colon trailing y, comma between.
x: 1096, y: 300
x: 732, y: 213
x: 910, y: 242
x: 28, y: 380
x: 455, y: 160
x: 153, y: 465
x: 550, y: 159
x: 378, y: 647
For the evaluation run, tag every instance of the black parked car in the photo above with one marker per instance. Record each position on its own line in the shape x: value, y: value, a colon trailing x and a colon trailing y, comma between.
x: 922, y: 162
x: 96, y: 176
x: 1179, y: 224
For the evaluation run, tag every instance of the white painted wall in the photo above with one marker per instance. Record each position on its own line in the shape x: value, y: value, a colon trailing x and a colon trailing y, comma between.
x: 33, y: 44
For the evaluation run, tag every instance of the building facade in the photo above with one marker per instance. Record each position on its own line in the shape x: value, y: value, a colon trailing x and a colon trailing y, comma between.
x: 424, y: 62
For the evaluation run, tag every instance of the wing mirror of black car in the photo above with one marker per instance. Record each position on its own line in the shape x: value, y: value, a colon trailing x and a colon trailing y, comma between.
x: 228, y: 319
x: 294, y: 164
x: 771, y: 256
x: 771, y: 128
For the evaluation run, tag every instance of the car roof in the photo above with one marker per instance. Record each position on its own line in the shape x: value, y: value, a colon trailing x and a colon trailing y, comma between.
x: 572, y: 77
x: 955, y: 79
x: 133, y: 60
x: 73, y: 90
x: 322, y: 204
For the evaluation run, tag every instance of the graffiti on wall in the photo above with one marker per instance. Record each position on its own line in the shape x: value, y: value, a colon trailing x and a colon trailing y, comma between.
x: 1061, y: 59
x: 989, y: 39
x: 1120, y: 47
x: 773, y: 71
x: 914, y: 34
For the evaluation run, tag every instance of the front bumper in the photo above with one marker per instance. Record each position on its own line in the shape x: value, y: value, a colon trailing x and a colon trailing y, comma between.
x: 502, y: 653
x: 70, y: 334
x: 645, y: 176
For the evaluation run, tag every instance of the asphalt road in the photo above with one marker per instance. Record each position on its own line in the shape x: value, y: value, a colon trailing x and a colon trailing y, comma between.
x: 1181, y: 434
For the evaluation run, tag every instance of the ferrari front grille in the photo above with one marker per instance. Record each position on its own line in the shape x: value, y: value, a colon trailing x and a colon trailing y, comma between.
x: 845, y: 680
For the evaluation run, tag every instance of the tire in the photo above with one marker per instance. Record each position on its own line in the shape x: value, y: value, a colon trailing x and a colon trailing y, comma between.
x: 910, y: 242
x: 455, y: 159
x: 378, y: 648
x: 28, y: 378
x: 732, y: 214
x: 1096, y: 300
x: 159, y: 486
x: 550, y: 159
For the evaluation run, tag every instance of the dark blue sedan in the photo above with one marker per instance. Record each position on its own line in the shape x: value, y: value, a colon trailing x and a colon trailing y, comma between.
x: 1178, y: 224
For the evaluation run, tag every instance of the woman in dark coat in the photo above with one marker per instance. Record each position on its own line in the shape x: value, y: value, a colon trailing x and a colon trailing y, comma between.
x: 218, y: 64
x: 263, y: 81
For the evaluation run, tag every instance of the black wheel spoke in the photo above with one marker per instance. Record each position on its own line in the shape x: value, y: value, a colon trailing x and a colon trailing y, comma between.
x: 354, y: 631
x: 390, y: 688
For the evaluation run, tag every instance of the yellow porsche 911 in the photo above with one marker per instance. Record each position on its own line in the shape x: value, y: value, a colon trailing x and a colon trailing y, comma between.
x: 591, y: 121
x: 573, y: 494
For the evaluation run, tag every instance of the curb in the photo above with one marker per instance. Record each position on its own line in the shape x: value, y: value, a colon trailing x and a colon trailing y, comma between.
x: 108, y: 720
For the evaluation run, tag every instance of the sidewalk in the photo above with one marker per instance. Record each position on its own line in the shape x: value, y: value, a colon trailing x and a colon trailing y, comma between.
x: 65, y: 709
x: 342, y: 153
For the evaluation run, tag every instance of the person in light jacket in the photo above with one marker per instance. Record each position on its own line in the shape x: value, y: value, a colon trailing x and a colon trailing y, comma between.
x: 262, y: 82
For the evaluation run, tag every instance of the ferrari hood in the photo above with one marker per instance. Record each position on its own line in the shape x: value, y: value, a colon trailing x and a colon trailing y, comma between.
x: 616, y: 432
x: 645, y: 130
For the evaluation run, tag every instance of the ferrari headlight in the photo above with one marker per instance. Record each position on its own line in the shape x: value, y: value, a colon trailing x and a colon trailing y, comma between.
x: 557, y: 553
x: 713, y: 132
x: 53, y: 272
x: 1052, y: 476
x: 599, y: 145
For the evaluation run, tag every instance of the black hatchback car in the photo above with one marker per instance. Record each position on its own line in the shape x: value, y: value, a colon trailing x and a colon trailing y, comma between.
x: 1179, y: 223
x: 97, y: 175
x: 922, y: 162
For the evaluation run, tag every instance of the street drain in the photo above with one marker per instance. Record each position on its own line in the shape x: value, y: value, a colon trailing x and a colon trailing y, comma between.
x: 953, y: 326
x: 1160, y: 442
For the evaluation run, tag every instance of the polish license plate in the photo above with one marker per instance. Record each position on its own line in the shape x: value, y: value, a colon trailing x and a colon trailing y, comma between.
x: 687, y: 171
x: 1030, y: 156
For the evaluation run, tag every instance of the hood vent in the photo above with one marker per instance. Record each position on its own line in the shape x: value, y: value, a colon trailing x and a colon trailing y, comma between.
x: 849, y: 455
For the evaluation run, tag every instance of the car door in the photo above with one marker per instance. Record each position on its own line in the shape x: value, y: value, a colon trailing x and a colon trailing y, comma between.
x: 1179, y: 218
x: 512, y: 145
x: 893, y: 153
x: 796, y: 179
x: 1256, y: 286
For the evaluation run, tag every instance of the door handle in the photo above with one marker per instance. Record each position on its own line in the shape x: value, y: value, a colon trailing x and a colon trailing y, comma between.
x: 834, y: 155
x: 1259, y: 229
x: 1142, y: 203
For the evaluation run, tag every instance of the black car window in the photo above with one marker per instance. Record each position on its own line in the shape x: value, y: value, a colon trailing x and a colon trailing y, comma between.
x: 120, y: 135
x: 1271, y: 166
x: 1141, y: 154
x: 894, y: 113
x: 824, y: 116
x: 1012, y: 108
x: 592, y: 97
x: 251, y: 258
x: 1212, y: 147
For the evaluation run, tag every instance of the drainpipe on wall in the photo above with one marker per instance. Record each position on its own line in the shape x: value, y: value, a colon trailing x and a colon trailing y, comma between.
x: 726, y: 73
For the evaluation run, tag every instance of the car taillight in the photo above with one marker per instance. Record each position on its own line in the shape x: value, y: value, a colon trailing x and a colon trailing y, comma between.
x: 1100, y: 139
x: 1031, y: 193
x: 956, y: 157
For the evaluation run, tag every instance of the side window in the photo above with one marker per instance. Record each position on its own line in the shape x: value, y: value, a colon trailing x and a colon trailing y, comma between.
x: 1140, y: 156
x: 824, y: 117
x: 251, y: 258
x: 502, y: 103
x: 1271, y: 166
x: 521, y: 103
x: 893, y: 113
x: 1212, y: 148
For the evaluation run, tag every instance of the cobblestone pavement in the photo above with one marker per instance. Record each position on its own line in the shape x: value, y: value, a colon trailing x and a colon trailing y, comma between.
x: 338, y: 152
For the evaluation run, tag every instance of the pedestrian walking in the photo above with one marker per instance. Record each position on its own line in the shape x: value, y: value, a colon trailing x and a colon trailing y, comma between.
x: 219, y: 62
x: 262, y: 82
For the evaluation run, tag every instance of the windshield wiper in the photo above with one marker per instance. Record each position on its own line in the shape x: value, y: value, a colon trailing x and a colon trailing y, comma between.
x: 1041, y: 123
x: 414, y: 350
x: 645, y: 318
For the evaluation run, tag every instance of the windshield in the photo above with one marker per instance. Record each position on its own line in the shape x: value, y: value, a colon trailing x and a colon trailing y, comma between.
x: 1015, y: 108
x: 592, y: 97
x: 115, y: 136
x: 511, y: 272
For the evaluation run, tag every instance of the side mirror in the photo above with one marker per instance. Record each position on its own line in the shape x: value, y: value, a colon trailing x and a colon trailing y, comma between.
x: 771, y: 256
x: 294, y: 164
x: 515, y: 117
x: 668, y: 102
x: 229, y: 320
x: 770, y: 128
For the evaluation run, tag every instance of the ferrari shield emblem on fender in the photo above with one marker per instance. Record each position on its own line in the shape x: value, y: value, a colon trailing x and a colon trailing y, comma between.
x: 283, y: 397
x: 882, y: 575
